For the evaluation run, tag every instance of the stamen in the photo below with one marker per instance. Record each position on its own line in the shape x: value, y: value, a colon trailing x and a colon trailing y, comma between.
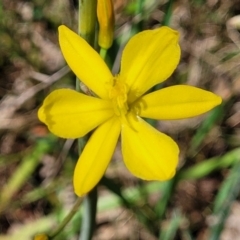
x: 137, y: 106
x: 118, y: 93
x: 127, y: 121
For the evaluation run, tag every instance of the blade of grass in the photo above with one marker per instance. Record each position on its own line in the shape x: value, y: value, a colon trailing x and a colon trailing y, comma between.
x: 25, y: 169
x: 111, y: 201
x: 132, y: 195
x: 209, y: 165
x: 87, y: 29
x: 168, y: 13
x: 145, y: 214
x: 224, y: 199
x: 166, y: 193
x: 169, y: 232
x: 137, y: 27
x: 205, y: 128
x: 185, y: 234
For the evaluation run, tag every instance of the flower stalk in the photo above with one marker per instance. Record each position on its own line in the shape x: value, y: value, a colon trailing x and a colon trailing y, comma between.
x: 87, y: 20
x: 66, y: 220
x: 87, y: 29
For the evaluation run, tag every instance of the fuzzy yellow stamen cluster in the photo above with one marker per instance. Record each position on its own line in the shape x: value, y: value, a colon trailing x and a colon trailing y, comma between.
x: 118, y: 95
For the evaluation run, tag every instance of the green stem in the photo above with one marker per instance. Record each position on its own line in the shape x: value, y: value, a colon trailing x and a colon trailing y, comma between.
x: 139, y: 11
x: 25, y: 169
x: 204, y: 168
x: 87, y: 29
x: 89, y: 215
x: 66, y: 219
x: 168, y: 13
x: 103, y: 53
x: 87, y: 20
x: 161, y: 207
x: 227, y: 194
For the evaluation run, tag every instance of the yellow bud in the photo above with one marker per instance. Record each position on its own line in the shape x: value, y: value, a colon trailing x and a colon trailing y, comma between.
x: 105, y: 14
x: 41, y: 236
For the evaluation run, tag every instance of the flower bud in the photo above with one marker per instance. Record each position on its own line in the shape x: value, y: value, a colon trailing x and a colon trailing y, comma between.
x: 40, y: 236
x: 105, y: 14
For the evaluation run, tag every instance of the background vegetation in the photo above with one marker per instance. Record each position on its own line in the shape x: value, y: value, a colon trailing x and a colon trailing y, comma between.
x: 201, y: 202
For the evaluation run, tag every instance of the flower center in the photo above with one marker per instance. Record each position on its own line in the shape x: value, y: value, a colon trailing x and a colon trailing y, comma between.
x: 118, y: 95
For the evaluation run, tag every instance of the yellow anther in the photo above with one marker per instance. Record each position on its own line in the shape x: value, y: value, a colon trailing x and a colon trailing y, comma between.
x: 137, y: 106
x: 105, y: 14
x: 118, y: 94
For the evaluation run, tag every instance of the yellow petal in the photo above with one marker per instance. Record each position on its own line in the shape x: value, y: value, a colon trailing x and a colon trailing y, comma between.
x: 148, y: 153
x: 70, y: 114
x: 85, y: 62
x: 149, y: 58
x: 177, y: 102
x: 96, y: 156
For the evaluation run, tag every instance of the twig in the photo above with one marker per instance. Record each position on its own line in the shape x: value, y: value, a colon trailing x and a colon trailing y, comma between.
x: 10, y: 104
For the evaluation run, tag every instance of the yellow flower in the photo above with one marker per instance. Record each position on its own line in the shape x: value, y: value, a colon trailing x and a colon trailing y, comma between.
x: 149, y: 58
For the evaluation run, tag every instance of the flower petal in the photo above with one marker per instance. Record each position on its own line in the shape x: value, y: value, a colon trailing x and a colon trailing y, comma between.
x: 85, y: 62
x: 176, y: 102
x: 70, y: 114
x: 148, y: 153
x: 149, y: 58
x: 96, y: 156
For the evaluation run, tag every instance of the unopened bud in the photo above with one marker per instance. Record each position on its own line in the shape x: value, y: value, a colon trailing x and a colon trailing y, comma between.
x: 105, y: 14
x: 41, y: 236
